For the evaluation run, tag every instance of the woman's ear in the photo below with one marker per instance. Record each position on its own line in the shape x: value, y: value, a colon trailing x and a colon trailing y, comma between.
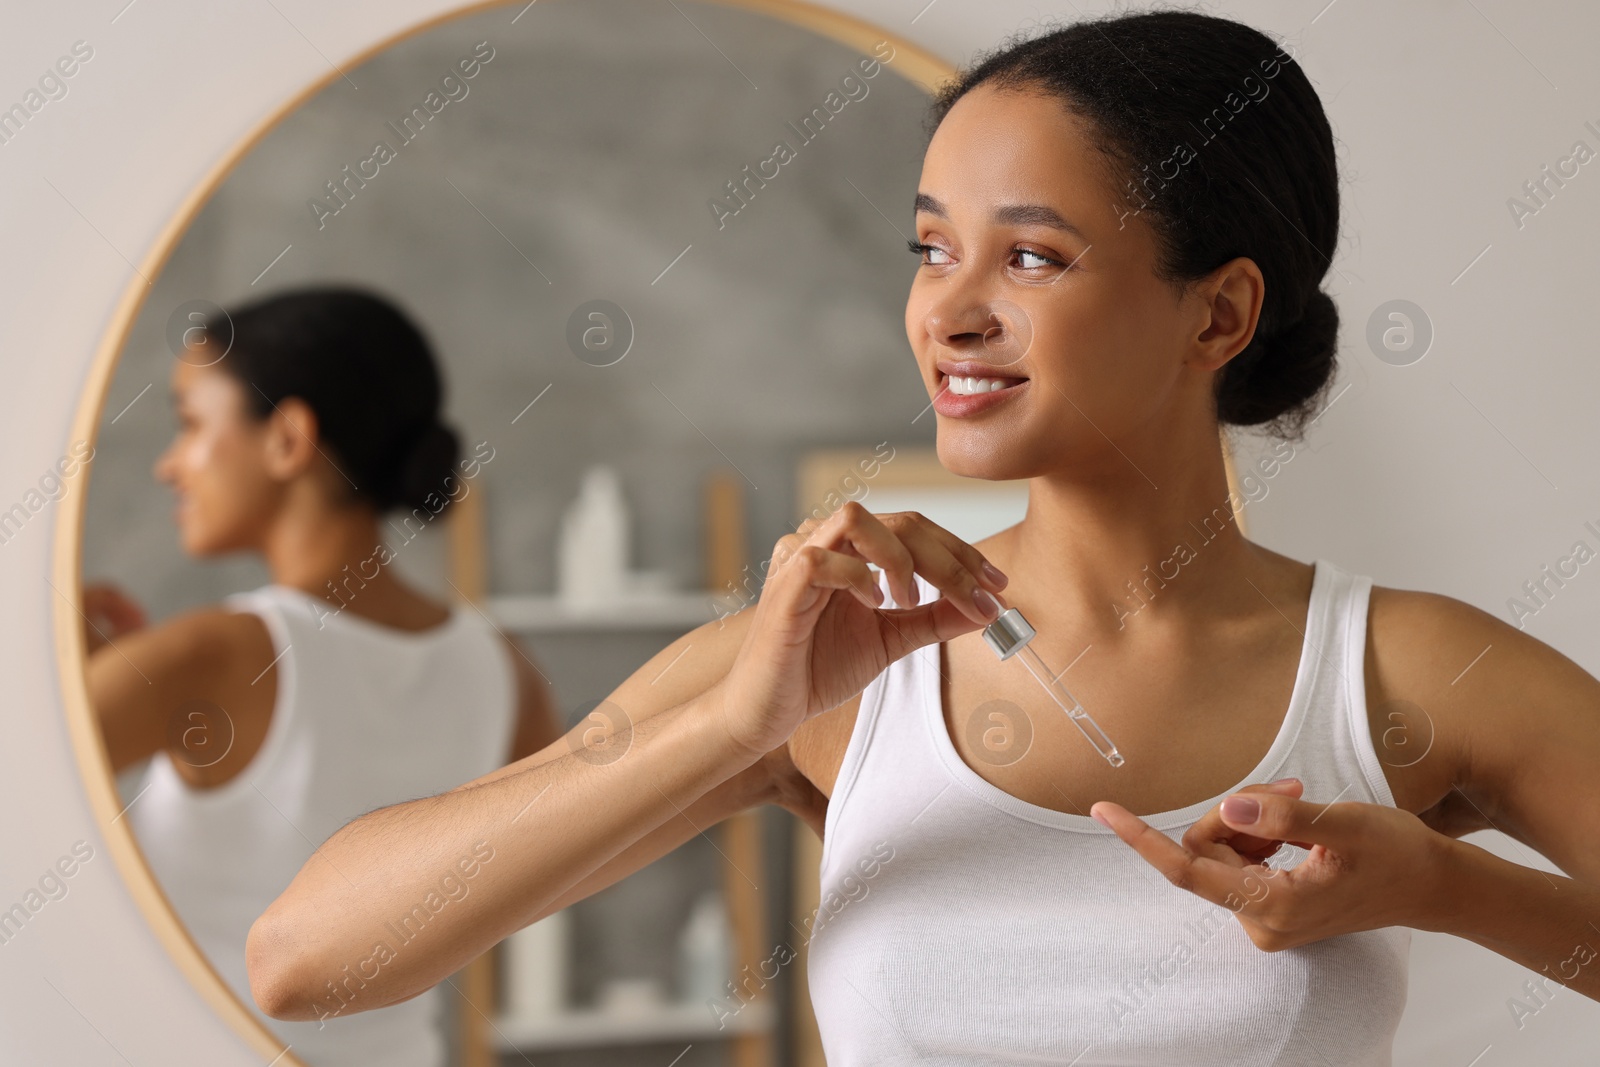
x: 289, y: 445
x: 1230, y: 308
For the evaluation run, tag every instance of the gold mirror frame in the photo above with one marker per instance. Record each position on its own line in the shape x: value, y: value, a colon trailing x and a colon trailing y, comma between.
x: 914, y: 63
x: 917, y: 65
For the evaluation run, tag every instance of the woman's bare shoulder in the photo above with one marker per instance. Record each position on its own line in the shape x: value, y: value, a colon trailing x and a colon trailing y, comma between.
x: 1515, y: 724
x: 139, y: 680
x: 206, y: 642
x: 1420, y: 644
x: 1430, y: 662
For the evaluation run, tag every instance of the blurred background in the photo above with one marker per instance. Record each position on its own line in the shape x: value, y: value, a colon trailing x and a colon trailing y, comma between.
x: 579, y: 168
x: 578, y: 165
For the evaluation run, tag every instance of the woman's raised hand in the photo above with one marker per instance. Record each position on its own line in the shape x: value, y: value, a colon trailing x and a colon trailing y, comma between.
x: 108, y: 613
x: 819, y: 635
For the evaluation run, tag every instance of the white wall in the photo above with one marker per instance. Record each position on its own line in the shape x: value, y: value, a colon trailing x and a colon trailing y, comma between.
x: 1462, y: 473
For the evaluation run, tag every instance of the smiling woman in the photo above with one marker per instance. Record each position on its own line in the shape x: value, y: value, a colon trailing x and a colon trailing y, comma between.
x: 1040, y: 907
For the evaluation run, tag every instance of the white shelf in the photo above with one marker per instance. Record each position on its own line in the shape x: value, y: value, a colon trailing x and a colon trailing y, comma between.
x: 580, y: 1028
x: 672, y: 611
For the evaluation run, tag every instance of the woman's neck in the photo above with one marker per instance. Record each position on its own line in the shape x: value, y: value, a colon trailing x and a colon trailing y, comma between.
x: 320, y: 549
x: 1158, y: 536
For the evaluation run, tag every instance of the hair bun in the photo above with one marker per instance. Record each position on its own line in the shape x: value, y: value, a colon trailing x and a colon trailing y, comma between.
x: 429, y: 461
x: 1315, y: 333
x: 1274, y: 377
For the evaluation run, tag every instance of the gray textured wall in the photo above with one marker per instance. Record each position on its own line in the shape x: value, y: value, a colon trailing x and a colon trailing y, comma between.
x: 593, y: 139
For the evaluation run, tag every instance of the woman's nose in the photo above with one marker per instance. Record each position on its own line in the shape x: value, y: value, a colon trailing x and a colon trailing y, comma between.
x: 993, y: 329
x: 959, y: 319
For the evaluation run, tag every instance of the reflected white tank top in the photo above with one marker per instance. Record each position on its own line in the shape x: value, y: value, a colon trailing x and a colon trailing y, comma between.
x: 365, y: 716
x: 961, y: 925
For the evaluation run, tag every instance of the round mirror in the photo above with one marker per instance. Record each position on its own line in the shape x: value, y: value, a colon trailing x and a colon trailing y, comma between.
x: 569, y: 301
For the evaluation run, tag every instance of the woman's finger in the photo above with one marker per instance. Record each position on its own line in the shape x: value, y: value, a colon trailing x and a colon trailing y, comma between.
x: 1232, y: 886
x: 961, y: 573
x: 848, y: 533
x: 818, y: 568
x: 855, y: 532
x: 973, y: 561
x: 109, y: 608
x: 1213, y: 838
x: 905, y: 542
x: 907, y: 629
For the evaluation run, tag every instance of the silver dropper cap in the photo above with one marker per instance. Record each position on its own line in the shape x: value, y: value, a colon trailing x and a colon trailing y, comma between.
x: 1007, y: 634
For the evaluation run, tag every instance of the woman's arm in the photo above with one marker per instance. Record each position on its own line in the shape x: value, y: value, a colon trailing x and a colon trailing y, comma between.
x: 406, y: 895
x: 1521, y: 729
x: 380, y: 912
x: 1545, y: 922
x: 141, y: 681
x: 1530, y: 718
x: 597, y: 811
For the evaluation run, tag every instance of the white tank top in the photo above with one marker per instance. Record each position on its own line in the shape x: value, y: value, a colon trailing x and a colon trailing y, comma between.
x: 960, y: 924
x: 365, y: 715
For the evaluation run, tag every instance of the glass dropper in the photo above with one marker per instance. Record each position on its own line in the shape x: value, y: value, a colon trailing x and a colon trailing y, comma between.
x: 1009, y: 635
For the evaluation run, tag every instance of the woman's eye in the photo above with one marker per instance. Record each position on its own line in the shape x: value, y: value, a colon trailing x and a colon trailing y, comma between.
x: 925, y: 250
x: 1028, y: 259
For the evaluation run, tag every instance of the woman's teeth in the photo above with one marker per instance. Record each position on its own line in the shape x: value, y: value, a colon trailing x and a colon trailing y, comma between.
x: 972, y: 386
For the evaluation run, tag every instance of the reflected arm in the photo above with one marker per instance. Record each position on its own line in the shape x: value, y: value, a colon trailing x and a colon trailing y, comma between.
x: 140, y: 681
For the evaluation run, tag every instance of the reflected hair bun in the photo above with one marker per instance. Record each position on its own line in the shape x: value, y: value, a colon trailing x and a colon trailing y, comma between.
x: 367, y: 371
x: 421, y: 480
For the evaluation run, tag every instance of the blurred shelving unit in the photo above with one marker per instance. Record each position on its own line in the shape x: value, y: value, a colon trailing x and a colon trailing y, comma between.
x: 751, y: 1032
x: 677, y: 612
x: 588, y: 1027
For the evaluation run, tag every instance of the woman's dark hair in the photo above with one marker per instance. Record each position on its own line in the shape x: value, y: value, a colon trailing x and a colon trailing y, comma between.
x: 368, y: 373
x: 1235, y: 116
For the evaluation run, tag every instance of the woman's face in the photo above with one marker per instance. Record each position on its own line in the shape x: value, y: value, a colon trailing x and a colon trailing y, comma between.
x: 217, y: 463
x: 1036, y: 278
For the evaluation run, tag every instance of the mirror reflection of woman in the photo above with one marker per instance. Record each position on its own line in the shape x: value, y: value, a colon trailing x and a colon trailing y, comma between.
x: 1093, y: 304
x: 305, y: 421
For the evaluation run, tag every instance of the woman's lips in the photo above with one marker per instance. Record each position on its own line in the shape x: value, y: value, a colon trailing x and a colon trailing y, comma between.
x: 948, y: 401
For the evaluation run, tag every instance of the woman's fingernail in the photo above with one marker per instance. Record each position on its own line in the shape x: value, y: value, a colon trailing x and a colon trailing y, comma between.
x: 1097, y: 817
x: 991, y: 572
x: 1241, y: 809
x: 987, y: 604
x: 1285, y: 781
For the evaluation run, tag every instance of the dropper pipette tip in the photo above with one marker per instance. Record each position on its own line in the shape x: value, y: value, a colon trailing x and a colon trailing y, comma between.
x: 1010, y: 634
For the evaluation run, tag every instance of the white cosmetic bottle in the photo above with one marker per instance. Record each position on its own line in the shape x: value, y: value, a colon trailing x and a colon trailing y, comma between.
x: 536, y: 965
x: 705, y: 951
x: 592, y: 554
